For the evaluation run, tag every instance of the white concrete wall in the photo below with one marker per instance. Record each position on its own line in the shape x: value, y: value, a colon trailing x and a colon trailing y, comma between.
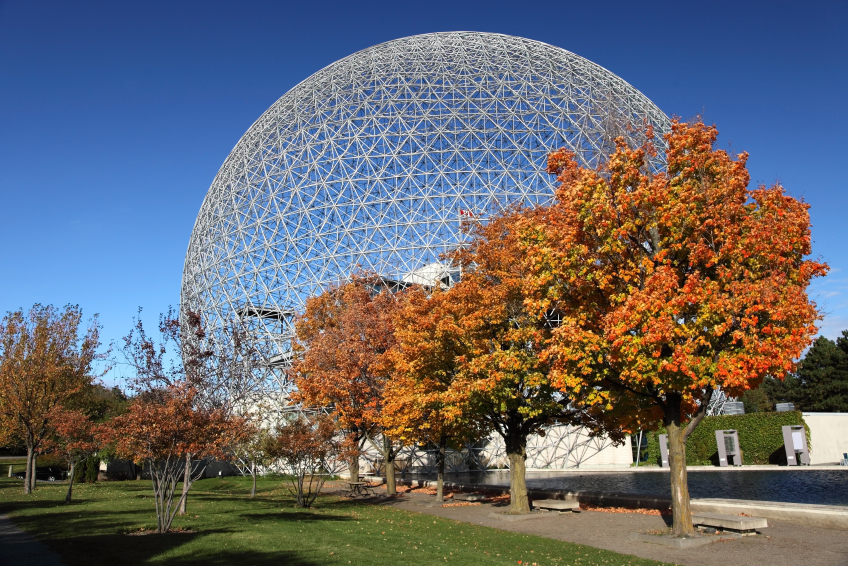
x: 561, y: 448
x: 828, y: 436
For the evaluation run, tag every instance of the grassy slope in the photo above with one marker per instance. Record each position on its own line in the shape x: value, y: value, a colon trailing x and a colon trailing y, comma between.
x: 267, y: 530
x: 18, y: 465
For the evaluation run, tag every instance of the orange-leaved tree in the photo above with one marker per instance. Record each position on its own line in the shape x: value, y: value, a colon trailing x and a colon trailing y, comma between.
x: 216, y: 376
x: 421, y: 403
x: 342, y: 337
x: 43, y: 362
x: 75, y: 438
x: 308, y: 450
x: 161, y: 429
x: 670, y: 285
x: 503, y: 381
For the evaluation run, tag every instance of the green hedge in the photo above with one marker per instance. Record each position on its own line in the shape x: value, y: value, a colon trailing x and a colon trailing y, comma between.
x: 87, y: 470
x: 760, y: 438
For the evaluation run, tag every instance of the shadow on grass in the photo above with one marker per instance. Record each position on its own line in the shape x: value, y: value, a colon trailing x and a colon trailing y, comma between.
x: 294, y: 515
x: 91, y: 529
x: 59, y: 526
x: 140, y: 550
x: 12, y: 506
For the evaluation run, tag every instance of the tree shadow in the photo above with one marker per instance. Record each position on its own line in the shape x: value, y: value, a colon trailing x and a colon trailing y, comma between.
x: 140, y: 550
x: 778, y: 457
x: 57, y: 524
x: 12, y: 506
x: 303, y: 516
x: 254, y: 558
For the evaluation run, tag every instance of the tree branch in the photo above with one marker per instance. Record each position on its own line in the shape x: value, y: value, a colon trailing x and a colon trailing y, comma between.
x: 699, y: 414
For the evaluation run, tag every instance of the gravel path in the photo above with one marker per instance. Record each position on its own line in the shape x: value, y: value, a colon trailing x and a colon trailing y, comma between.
x: 19, y: 548
x: 780, y: 544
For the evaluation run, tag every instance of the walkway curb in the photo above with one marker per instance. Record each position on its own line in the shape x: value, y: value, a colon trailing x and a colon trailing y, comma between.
x: 689, y: 542
x: 827, y: 516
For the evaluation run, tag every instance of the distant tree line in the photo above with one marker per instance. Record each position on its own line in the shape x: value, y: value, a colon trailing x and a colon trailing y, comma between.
x: 820, y: 385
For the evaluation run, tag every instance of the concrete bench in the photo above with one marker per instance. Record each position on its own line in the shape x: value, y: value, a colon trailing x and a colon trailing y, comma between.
x: 557, y: 505
x: 469, y: 496
x: 731, y: 522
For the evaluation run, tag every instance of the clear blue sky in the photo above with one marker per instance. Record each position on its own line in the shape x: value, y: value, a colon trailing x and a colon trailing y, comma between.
x: 115, y: 116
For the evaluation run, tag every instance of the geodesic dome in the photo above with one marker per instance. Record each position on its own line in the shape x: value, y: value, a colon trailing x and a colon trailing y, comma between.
x: 373, y: 162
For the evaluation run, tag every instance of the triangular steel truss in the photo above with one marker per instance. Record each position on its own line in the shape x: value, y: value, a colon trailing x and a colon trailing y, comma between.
x: 373, y: 162
x: 563, y: 447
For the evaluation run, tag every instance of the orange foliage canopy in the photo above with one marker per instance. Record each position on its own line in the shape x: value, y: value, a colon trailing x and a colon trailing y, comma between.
x: 162, y: 427
x: 421, y: 402
x: 165, y: 429
x: 670, y: 284
x: 497, y: 341
x: 474, y: 351
x: 342, y: 337
x: 74, y: 435
x: 43, y: 362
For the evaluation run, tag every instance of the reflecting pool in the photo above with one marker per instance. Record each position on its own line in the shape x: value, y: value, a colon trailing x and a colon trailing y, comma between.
x: 822, y: 487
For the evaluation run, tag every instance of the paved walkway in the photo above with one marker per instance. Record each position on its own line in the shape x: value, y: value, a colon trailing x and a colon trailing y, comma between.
x: 782, y: 543
x: 18, y: 548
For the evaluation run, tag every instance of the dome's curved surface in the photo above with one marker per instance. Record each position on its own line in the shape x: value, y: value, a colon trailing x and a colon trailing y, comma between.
x: 371, y: 163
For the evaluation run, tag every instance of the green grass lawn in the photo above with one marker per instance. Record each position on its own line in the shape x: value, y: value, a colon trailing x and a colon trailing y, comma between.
x: 18, y: 465
x: 231, y: 528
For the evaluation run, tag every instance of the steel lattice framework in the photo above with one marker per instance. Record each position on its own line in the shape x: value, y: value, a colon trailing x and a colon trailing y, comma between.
x: 373, y: 162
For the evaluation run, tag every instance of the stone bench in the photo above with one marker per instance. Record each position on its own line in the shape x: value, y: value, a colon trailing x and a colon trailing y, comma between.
x: 731, y: 522
x: 557, y: 505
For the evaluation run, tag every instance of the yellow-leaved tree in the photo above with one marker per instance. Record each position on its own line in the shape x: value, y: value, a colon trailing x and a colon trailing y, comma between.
x: 669, y: 285
x: 422, y: 404
x: 43, y: 362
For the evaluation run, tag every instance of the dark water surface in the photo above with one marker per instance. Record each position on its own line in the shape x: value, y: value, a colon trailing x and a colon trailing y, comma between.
x: 821, y: 487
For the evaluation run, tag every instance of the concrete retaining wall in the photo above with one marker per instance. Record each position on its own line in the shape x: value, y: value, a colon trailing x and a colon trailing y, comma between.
x: 827, y: 516
x: 828, y: 436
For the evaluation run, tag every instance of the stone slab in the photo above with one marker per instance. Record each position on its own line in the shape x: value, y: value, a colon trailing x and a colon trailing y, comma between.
x: 688, y: 542
x: 557, y: 504
x: 827, y: 516
x: 735, y: 522
x: 526, y: 517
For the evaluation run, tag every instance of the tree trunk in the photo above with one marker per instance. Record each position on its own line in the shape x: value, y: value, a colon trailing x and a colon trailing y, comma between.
x: 353, y: 467
x: 34, y: 471
x: 186, y: 485
x: 253, y: 473
x: 30, y: 469
x: 440, y: 482
x: 681, y: 512
x: 70, y: 482
x: 516, y: 451
x: 389, y: 457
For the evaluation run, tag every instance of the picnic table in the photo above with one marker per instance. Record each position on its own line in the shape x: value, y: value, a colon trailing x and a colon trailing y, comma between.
x: 359, y: 488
